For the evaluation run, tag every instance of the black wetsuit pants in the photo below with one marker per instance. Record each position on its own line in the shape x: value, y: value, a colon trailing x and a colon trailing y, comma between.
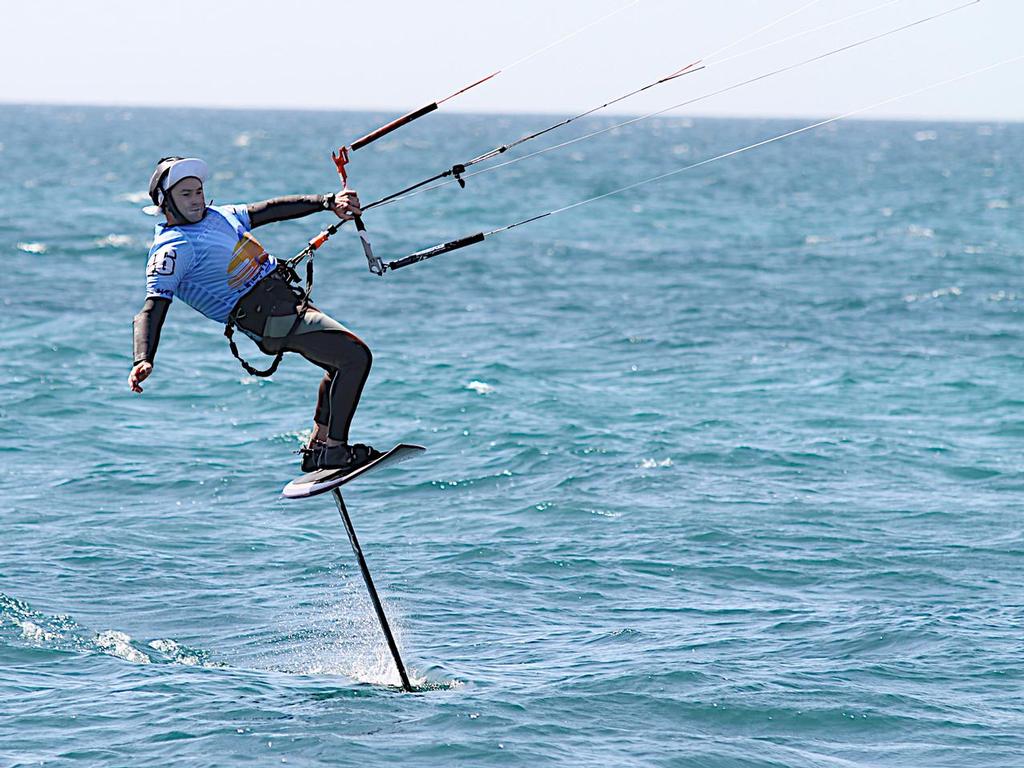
x: 269, y: 311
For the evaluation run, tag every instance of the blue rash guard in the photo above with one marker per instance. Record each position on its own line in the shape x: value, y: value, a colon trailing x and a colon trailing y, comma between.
x: 211, y: 264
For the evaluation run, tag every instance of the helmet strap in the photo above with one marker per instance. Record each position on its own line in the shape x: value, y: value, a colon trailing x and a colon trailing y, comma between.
x: 171, y: 207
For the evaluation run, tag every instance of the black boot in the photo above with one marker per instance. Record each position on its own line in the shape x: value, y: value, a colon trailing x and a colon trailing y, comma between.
x: 345, y: 456
x: 311, y: 456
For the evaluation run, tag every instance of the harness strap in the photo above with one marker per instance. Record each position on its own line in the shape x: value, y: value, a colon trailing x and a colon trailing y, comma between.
x: 290, y: 276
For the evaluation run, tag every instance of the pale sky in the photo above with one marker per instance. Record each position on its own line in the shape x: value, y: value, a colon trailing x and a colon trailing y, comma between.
x: 395, y: 55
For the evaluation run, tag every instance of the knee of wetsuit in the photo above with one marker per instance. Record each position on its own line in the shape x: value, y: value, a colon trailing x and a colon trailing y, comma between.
x: 366, y: 356
x: 358, y: 353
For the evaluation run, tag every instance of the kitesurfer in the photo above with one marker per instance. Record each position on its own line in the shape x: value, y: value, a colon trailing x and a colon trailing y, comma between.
x: 207, y: 256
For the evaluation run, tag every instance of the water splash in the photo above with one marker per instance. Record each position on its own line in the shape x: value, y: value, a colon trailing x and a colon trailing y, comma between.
x: 343, y: 637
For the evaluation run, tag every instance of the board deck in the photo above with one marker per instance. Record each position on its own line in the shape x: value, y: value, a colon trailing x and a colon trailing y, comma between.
x: 324, y: 480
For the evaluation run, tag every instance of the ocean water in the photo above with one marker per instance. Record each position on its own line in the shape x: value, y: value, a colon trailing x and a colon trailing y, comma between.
x: 725, y: 471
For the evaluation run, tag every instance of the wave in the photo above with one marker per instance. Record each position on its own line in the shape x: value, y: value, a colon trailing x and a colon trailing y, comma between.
x: 22, y: 625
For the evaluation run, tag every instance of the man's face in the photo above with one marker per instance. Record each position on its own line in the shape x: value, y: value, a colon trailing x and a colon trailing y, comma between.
x: 188, y: 196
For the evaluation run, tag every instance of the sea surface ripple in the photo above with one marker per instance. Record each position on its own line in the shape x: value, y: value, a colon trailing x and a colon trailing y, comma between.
x: 725, y: 471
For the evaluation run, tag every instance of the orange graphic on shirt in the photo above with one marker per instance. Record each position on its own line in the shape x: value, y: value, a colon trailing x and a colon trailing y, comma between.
x: 247, y: 260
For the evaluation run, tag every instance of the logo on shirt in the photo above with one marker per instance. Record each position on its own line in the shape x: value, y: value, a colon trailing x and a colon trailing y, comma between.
x: 162, y: 262
x: 247, y: 260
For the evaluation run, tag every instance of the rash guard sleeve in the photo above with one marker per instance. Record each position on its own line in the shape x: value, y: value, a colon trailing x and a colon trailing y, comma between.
x: 288, y: 207
x: 147, y: 327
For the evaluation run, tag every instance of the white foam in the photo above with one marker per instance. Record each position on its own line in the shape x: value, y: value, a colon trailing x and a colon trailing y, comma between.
x: 115, y: 241
x: 1003, y: 296
x: 655, y: 463
x: 936, y: 294
x: 119, y: 644
x: 32, y: 631
x: 135, y: 197
x: 177, y: 653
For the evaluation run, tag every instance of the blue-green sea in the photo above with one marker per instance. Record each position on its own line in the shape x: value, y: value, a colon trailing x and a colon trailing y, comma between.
x: 725, y: 471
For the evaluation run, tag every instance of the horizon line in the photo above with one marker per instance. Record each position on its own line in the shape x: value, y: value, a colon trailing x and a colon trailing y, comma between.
x: 487, y: 113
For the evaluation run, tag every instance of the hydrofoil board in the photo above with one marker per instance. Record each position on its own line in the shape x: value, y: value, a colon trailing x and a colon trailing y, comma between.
x: 323, y: 480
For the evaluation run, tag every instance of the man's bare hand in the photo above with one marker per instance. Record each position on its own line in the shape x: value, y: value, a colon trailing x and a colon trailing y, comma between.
x: 346, y: 204
x: 138, y: 375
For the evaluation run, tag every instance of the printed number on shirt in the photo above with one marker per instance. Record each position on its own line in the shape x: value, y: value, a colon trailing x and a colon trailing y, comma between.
x: 162, y: 262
